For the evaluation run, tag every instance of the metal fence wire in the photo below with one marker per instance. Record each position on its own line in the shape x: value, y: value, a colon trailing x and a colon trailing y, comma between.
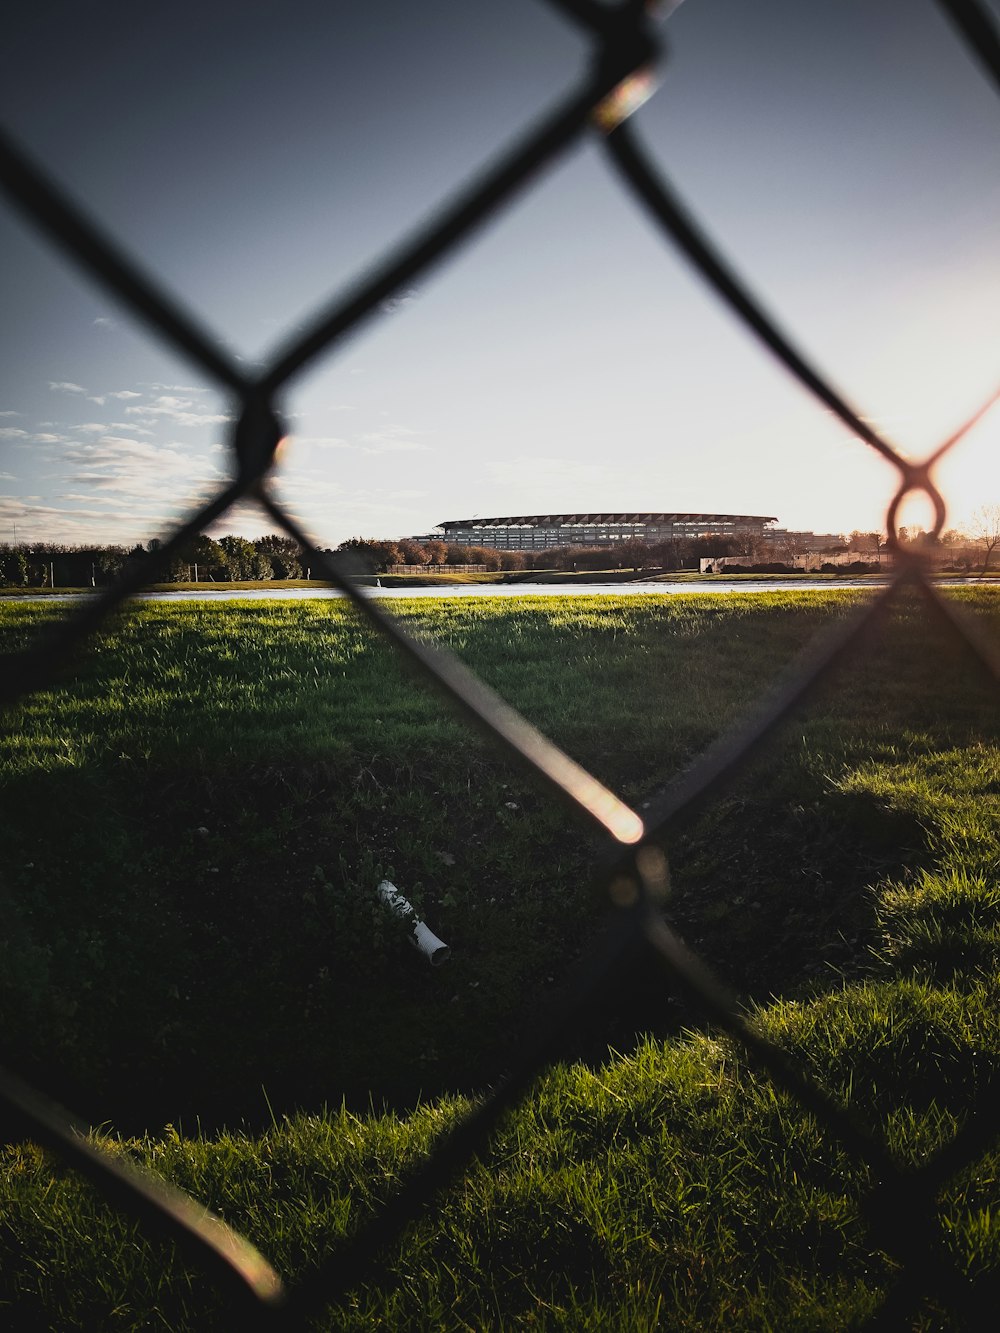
x: 900, y: 1211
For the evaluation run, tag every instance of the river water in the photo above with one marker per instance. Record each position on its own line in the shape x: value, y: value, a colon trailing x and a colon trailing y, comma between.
x: 633, y: 589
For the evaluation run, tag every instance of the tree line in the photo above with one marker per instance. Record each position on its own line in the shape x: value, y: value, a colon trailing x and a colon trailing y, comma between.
x: 238, y: 559
x: 228, y: 559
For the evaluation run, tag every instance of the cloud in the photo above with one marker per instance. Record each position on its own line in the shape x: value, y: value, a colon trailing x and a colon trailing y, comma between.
x: 124, y: 393
x: 29, y: 507
x: 7, y: 476
x: 10, y: 414
x: 103, y: 517
x: 179, y: 410
x: 66, y: 386
x: 15, y: 433
x: 392, y: 304
x: 119, y: 486
x: 137, y: 470
x: 102, y: 322
x: 132, y: 427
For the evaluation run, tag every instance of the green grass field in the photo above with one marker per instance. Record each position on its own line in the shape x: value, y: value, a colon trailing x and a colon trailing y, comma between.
x: 197, y: 819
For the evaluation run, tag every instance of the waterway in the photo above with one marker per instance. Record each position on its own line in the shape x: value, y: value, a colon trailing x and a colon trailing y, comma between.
x: 632, y: 589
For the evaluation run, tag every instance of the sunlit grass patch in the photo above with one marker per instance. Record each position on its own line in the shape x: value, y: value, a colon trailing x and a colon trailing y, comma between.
x: 197, y: 821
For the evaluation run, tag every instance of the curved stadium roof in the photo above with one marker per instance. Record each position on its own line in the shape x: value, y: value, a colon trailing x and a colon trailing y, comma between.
x: 617, y: 516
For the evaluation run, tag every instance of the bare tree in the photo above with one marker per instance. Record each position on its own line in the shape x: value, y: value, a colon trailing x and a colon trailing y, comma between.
x: 986, y: 529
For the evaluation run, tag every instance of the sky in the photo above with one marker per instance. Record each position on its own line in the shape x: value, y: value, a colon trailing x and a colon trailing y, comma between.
x: 257, y: 157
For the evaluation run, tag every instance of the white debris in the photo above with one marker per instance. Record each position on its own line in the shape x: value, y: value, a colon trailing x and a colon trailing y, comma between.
x: 434, y: 950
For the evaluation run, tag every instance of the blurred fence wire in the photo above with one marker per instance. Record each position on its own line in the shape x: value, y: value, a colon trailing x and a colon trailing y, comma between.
x: 626, y: 47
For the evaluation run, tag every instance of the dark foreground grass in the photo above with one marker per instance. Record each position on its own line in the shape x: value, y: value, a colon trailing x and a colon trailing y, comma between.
x: 197, y: 824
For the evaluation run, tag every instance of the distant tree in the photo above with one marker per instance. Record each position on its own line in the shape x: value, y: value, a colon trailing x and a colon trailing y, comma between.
x: 364, y: 555
x: 437, y: 552
x: 108, y: 563
x: 413, y: 553
x: 913, y: 536
x: 635, y: 552
x: 708, y: 545
x: 356, y: 555
x: 13, y: 567
x: 202, y: 559
x: 386, y: 553
x: 482, y: 555
x: 954, y: 537
x: 282, y: 553
x: 670, y: 553
x: 958, y: 547
x: 588, y: 557
x: 470, y: 555
x: 545, y: 559
x: 243, y: 561
x: 865, y: 541
x: 210, y: 558
x: 986, y: 531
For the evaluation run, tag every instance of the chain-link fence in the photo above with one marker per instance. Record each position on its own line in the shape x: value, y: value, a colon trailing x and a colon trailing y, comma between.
x: 901, y: 1209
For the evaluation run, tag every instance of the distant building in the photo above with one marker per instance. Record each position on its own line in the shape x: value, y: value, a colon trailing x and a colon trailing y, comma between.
x: 807, y: 541
x: 538, y: 532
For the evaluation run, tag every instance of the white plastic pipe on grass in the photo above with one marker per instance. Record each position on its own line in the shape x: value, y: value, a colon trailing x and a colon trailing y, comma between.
x: 434, y: 950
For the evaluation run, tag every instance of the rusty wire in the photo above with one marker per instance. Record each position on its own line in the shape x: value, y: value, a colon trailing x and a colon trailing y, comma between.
x: 900, y: 1209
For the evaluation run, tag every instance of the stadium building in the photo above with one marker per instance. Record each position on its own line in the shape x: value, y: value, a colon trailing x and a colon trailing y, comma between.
x: 538, y: 532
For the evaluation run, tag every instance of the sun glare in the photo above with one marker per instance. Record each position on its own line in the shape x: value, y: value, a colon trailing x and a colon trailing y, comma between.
x: 968, y: 476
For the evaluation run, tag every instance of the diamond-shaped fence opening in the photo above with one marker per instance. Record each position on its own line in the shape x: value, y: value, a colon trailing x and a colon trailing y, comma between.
x: 901, y: 1205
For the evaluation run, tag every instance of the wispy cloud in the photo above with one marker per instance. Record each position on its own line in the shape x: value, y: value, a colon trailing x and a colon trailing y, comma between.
x: 101, y: 521
x: 137, y: 472
x: 181, y: 411
x: 66, y: 386
x: 115, y: 488
x: 29, y: 437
